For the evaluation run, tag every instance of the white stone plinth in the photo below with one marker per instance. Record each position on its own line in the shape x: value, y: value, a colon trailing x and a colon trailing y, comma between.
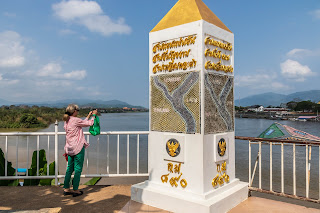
x: 221, y: 200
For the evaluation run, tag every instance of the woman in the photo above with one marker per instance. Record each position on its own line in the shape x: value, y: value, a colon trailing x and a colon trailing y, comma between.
x: 75, y: 145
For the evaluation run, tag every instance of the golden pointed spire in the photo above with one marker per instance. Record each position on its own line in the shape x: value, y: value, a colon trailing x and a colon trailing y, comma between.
x: 187, y: 11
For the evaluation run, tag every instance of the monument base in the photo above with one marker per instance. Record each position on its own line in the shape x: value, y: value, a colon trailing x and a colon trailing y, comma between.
x: 158, y: 196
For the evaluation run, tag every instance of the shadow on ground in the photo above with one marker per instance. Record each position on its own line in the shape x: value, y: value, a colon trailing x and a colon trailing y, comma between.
x: 95, y: 198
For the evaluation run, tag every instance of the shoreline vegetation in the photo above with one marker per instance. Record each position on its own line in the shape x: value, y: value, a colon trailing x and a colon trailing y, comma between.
x: 25, y: 118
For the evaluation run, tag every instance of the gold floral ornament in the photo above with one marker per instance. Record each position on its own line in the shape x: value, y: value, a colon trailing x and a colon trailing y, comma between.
x: 221, y: 178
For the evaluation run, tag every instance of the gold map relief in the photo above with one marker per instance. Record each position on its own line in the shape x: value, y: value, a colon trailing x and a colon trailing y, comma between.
x: 175, y: 102
x: 219, y: 106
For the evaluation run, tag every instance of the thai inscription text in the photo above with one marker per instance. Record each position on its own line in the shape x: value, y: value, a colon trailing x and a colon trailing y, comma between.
x: 174, y: 181
x: 217, y: 53
x: 165, y: 60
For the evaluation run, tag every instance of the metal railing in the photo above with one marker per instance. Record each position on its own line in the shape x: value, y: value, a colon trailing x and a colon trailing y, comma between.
x: 58, y: 151
x: 272, y: 144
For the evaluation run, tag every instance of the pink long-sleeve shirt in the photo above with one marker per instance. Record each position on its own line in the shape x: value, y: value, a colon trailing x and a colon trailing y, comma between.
x: 75, y: 139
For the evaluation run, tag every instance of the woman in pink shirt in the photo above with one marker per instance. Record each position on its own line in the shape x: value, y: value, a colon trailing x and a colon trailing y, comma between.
x: 75, y: 145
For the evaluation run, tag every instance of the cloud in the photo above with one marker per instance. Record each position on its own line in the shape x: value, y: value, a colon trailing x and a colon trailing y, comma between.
x: 67, y: 32
x: 11, y: 50
x: 6, y: 82
x: 89, y: 14
x: 260, y: 81
x: 75, y: 75
x: 54, y: 70
x: 316, y: 14
x: 299, y: 53
x: 294, y: 70
x: 10, y: 15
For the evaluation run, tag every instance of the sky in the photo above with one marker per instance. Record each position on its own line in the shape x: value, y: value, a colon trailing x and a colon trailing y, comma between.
x: 56, y: 50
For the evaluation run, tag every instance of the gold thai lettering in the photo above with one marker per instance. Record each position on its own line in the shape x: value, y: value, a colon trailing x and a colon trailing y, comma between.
x: 221, y: 178
x: 218, y: 168
x: 177, y: 168
x: 226, y: 46
x: 183, y: 183
x: 209, y: 65
x: 224, y: 166
x: 171, y: 66
x: 170, y: 167
x: 215, y: 181
x: 172, y: 55
x: 161, y: 46
x: 216, y: 54
x: 164, y: 178
x: 173, y: 180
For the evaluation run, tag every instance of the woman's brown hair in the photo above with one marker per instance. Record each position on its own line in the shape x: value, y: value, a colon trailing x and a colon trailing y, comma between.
x: 69, y: 111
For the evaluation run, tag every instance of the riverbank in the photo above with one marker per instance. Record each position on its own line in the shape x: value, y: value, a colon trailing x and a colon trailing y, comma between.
x: 274, y: 116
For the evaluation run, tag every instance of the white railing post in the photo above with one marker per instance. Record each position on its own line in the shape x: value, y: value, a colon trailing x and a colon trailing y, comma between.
x: 27, y: 174
x: 56, y: 153
x: 128, y: 149
x: 17, y: 155
x: 307, y: 183
x: 48, y: 158
x: 260, y: 172
x: 294, y: 171
x: 108, y: 151
x: 271, y: 166
x: 138, y: 142
x: 6, y: 163
x: 282, y: 170
x: 118, y: 151
x: 249, y: 163
x: 38, y: 140
x: 98, y: 148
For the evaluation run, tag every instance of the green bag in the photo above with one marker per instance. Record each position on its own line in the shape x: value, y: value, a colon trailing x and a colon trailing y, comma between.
x: 95, y: 128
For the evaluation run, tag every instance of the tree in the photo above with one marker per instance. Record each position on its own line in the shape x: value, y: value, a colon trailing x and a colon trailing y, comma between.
x: 305, y: 106
x: 28, y: 120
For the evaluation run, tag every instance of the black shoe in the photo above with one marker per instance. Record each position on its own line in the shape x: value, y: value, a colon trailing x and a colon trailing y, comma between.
x: 67, y: 193
x: 75, y: 194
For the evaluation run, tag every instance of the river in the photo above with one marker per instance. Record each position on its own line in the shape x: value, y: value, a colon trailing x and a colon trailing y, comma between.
x: 140, y: 121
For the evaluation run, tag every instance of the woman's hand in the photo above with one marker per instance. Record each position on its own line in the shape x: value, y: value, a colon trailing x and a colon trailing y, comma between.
x: 89, y: 115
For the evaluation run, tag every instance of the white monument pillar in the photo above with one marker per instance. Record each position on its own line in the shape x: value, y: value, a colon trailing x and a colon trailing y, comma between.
x: 191, y: 146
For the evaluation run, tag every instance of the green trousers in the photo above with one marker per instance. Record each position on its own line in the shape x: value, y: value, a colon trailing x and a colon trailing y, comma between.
x: 75, y: 163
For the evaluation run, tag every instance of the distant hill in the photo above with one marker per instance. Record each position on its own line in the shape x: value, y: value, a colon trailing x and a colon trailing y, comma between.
x: 275, y: 99
x: 4, y: 102
x: 80, y: 102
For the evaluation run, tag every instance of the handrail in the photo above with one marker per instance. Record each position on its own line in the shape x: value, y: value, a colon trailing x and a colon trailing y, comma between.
x: 308, y: 147
x: 56, y: 133
x: 254, y: 139
x: 63, y: 133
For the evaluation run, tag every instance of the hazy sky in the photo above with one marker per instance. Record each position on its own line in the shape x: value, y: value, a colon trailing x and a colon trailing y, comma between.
x: 53, y: 50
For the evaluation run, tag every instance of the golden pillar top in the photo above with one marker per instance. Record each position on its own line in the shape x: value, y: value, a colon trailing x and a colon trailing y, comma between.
x: 187, y: 11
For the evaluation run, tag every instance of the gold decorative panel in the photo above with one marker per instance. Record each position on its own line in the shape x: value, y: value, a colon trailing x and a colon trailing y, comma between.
x: 175, y: 102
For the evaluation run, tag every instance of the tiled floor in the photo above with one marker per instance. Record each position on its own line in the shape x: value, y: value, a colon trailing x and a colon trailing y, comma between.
x: 251, y: 205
